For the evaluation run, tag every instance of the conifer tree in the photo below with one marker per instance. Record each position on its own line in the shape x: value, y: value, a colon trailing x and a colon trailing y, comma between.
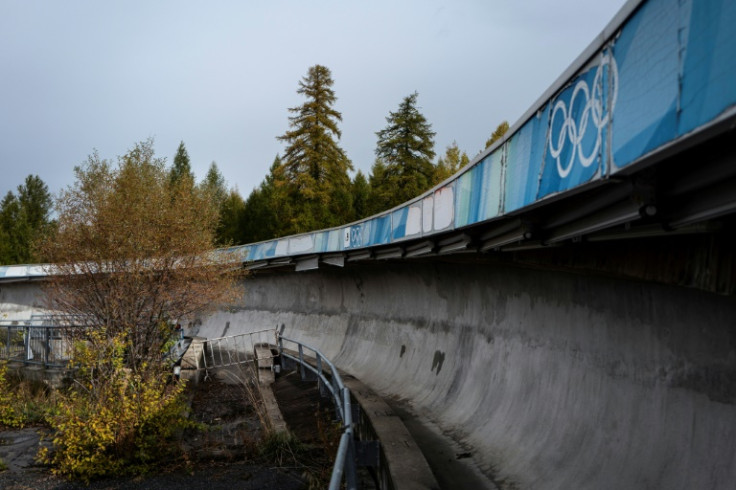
x: 181, y: 167
x: 267, y: 209
x: 447, y: 165
x: 214, y: 184
x: 24, y: 220
x: 497, y: 133
x: 406, y: 148
x: 361, y: 196
x: 314, y: 169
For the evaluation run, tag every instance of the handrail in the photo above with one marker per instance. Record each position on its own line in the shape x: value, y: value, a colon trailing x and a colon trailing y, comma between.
x: 345, y: 465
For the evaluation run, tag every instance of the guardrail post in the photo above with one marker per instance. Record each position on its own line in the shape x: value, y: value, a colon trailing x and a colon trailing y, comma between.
x: 301, y: 362
x: 351, y: 474
x: 320, y: 386
x: 27, y: 337
x: 46, y: 347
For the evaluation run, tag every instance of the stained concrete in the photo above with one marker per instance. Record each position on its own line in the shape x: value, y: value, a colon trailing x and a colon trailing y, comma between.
x: 545, y: 379
x: 549, y: 379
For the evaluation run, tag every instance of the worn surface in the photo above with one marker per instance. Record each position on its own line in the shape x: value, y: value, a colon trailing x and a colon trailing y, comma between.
x: 546, y: 379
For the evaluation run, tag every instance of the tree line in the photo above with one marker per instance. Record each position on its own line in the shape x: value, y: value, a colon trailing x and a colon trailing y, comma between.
x: 308, y: 186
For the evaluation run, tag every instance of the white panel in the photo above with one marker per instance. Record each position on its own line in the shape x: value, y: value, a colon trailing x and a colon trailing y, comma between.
x: 282, y: 248
x: 16, y: 271
x: 427, y: 211
x: 346, y: 237
x: 443, y: 208
x: 299, y: 244
x: 414, y: 220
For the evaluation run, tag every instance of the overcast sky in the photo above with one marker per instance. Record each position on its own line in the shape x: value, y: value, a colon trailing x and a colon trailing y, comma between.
x: 82, y: 75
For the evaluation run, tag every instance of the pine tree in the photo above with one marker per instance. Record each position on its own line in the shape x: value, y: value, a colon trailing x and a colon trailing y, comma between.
x: 266, y: 210
x: 181, y: 167
x: 315, y: 169
x: 9, y: 211
x: 231, y: 212
x: 406, y: 147
x: 214, y: 184
x: 497, y: 133
x: 361, y: 196
x: 24, y: 220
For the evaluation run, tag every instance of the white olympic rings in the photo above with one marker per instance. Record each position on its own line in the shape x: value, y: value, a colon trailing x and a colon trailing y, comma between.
x: 593, y: 112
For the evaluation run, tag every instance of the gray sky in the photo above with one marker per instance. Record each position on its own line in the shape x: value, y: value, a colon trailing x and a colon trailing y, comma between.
x: 82, y: 75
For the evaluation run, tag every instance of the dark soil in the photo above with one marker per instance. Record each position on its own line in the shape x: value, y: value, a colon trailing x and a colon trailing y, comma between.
x: 225, y: 456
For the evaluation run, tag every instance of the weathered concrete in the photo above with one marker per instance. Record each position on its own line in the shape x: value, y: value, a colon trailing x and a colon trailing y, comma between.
x: 551, y: 380
x: 19, y: 300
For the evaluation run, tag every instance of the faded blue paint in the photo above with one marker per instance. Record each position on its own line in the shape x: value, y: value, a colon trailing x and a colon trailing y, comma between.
x: 398, y: 223
x: 647, y: 55
x: 709, y: 70
x: 669, y: 70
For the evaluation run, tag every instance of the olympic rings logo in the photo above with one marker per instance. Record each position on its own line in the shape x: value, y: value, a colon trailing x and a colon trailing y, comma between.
x: 593, y: 113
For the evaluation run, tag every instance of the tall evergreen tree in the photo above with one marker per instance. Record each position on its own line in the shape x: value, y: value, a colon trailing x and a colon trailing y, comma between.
x: 24, y: 220
x: 9, y: 247
x: 181, y: 167
x: 406, y: 147
x: 361, y: 196
x: 315, y: 169
x: 231, y: 212
x: 267, y: 209
x: 214, y: 184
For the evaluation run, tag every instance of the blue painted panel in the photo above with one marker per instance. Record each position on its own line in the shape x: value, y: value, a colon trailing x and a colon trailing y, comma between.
x: 354, y: 236
x: 398, y: 223
x: 709, y: 68
x: 467, y: 195
x: 490, y: 199
x: 380, y: 230
x: 578, y: 124
x: 321, y: 241
x: 524, y: 156
x: 647, y: 55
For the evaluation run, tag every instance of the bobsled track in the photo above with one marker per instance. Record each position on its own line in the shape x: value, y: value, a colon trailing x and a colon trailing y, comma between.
x: 562, y: 310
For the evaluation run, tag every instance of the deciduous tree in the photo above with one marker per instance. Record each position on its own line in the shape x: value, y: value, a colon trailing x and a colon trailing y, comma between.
x: 133, y: 253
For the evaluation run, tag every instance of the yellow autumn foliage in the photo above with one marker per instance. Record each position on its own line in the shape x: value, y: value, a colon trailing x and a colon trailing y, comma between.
x: 113, y: 421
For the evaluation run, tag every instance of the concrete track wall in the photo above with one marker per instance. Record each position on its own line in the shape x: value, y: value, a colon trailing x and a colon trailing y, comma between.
x: 551, y: 380
x: 554, y: 380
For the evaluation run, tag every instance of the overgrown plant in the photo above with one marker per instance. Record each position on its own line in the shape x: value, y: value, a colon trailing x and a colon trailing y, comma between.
x: 133, y: 253
x: 11, y: 413
x: 113, y: 420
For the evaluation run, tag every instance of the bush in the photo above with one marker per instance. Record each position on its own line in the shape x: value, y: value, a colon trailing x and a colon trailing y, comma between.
x: 11, y: 405
x: 113, y: 421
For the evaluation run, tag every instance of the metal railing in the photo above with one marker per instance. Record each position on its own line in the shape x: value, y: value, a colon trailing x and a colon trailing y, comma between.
x: 33, y: 343
x: 345, y: 467
x: 236, y: 349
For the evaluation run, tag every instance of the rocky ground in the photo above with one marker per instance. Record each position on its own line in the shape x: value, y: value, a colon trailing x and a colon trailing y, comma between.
x: 224, y: 457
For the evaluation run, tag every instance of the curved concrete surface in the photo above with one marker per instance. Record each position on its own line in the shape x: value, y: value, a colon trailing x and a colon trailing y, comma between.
x: 553, y: 380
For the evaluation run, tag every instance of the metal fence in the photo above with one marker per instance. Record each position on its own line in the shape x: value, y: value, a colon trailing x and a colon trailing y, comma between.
x: 237, y: 349
x: 33, y: 343
x: 345, y: 467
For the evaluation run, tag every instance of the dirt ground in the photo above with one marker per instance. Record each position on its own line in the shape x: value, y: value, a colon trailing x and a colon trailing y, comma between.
x: 224, y: 457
